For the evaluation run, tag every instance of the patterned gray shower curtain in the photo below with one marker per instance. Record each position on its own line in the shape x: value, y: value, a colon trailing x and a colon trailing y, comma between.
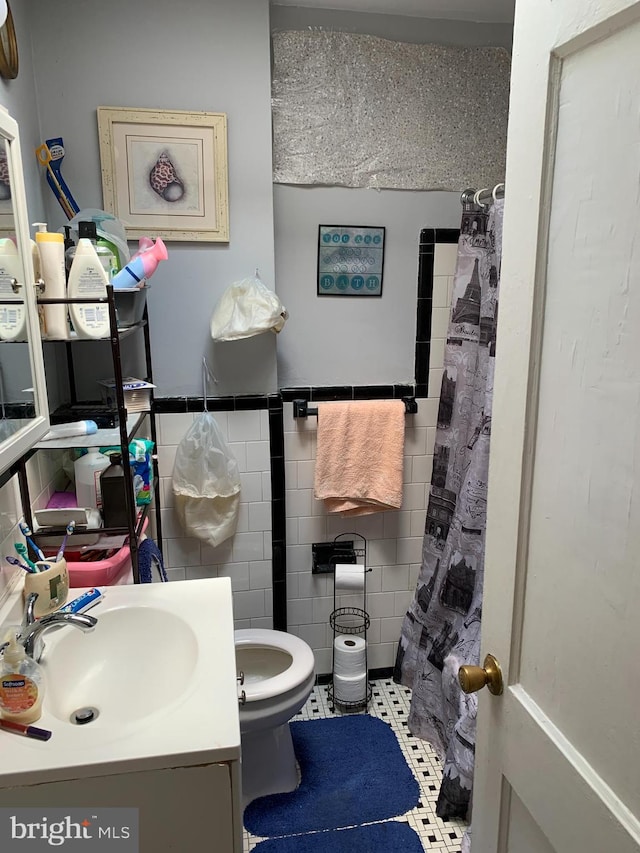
x: 441, y: 629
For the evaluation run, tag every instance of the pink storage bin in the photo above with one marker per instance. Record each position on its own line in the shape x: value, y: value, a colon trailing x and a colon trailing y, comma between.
x: 101, y: 572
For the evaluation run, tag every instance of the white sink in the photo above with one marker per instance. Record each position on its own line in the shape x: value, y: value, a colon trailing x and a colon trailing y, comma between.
x: 104, y: 670
x: 159, y: 671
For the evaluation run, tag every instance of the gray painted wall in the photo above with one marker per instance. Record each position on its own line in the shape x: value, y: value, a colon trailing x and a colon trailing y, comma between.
x: 349, y: 340
x: 216, y: 58
x: 200, y: 56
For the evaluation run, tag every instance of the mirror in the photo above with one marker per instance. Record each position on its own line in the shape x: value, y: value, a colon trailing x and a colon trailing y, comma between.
x: 24, y: 416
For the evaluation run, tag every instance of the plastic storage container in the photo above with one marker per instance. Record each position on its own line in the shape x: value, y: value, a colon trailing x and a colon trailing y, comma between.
x: 130, y: 303
x: 111, y: 571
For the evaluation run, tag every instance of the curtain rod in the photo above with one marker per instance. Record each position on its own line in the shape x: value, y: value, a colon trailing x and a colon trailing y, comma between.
x: 483, y: 197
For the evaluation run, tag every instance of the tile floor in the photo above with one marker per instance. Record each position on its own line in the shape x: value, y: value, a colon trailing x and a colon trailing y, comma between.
x: 390, y: 702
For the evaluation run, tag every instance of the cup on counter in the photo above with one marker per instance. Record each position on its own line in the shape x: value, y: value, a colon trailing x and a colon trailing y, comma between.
x: 51, y: 582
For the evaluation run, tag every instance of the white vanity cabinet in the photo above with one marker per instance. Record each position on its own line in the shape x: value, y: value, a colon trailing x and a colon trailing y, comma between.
x: 160, y: 668
x: 181, y: 809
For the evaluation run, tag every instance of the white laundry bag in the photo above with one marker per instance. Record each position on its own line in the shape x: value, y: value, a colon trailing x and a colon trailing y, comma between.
x: 247, y: 308
x: 206, y: 483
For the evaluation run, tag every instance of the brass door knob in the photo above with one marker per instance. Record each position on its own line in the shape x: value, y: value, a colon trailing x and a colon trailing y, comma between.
x: 473, y: 678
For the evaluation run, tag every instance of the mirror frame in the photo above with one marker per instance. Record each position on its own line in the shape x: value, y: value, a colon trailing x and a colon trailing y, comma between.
x: 18, y: 444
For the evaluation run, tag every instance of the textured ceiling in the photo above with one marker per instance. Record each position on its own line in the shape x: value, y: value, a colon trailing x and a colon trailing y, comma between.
x: 489, y: 11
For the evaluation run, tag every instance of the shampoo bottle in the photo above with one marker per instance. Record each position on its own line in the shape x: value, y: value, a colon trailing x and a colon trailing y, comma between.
x: 13, y: 317
x: 21, y: 684
x: 51, y: 248
x: 141, y: 267
x: 88, y: 279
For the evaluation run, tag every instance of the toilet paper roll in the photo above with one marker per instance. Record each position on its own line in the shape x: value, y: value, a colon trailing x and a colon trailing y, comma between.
x: 349, y: 577
x: 350, y: 688
x: 349, y: 655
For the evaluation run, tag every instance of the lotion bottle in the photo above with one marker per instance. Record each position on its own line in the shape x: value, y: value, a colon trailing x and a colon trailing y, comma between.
x: 87, y: 279
x: 108, y: 259
x: 51, y: 248
x: 13, y: 316
x: 21, y: 684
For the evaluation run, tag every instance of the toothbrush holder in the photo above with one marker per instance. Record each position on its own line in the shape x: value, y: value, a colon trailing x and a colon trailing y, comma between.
x: 51, y: 582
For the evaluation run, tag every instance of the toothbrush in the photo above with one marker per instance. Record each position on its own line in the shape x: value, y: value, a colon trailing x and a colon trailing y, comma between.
x: 22, y: 550
x: 70, y: 528
x: 14, y: 561
x: 26, y: 532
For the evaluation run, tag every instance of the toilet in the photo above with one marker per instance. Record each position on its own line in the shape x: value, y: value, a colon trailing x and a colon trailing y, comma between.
x: 279, y: 674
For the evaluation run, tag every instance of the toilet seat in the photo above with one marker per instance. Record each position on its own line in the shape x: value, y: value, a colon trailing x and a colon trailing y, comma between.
x: 302, y: 664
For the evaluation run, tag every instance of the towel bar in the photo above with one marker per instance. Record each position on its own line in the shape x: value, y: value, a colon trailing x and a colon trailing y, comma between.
x: 301, y: 408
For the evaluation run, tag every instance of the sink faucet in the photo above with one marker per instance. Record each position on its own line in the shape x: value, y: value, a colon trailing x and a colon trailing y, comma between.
x: 32, y: 629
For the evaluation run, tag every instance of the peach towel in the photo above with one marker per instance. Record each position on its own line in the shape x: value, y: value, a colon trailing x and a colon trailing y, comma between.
x: 360, y: 456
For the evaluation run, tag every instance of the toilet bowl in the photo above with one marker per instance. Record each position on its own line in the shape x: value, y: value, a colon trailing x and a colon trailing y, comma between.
x: 279, y: 674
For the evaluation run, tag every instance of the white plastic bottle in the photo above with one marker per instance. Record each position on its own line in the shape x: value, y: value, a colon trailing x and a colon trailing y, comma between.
x: 13, y: 317
x: 51, y: 248
x: 70, y: 430
x: 107, y: 255
x: 88, y: 279
x: 87, y: 471
x: 21, y: 684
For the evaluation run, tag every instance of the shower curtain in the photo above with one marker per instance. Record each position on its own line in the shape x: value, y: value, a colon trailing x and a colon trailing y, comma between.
x: 441, y: 630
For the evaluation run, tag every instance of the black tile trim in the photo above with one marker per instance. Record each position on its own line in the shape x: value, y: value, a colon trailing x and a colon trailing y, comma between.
x: 329, y: 392
x: 425, y: 273
x: 372, y: 392
x: 290, y: 394
x: 326, y: 393
x: 446, y: 235
x: 278, y: 517
x: 423, y: 352
x: 239, y: 403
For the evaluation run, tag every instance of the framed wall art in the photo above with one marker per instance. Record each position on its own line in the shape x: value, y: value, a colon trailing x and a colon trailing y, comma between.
x: 164, y: 174
x: 350, y: 260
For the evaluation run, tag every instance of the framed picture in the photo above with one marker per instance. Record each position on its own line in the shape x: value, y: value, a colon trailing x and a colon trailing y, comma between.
x: 164, y: 174
x: 350, y: 260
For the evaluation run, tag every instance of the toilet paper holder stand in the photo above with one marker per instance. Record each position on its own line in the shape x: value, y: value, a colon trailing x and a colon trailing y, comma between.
x: 350, y: 620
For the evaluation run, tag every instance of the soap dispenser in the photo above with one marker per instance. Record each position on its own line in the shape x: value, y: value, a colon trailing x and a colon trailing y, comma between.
x: 21, y: 683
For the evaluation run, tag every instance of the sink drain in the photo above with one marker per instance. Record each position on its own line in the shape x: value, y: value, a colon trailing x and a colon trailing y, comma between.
x: 84, y: 715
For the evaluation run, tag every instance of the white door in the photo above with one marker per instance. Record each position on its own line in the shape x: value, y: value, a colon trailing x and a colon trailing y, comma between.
x: 558, y: 754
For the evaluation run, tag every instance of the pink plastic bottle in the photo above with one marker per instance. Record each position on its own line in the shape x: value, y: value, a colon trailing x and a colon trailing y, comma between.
x: 144, y: 243
x: 141, y: 266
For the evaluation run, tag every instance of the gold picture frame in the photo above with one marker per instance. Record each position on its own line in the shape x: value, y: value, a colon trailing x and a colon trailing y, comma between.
x: 165, y: 173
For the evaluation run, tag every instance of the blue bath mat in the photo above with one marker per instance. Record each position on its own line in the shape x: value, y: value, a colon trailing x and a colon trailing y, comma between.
x: 353, y: 771
x: 391, y: 837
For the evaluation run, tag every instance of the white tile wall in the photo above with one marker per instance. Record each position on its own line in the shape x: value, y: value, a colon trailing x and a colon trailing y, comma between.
x: 246, y: 557
x: 394, y: 543
x: 444, y: 266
